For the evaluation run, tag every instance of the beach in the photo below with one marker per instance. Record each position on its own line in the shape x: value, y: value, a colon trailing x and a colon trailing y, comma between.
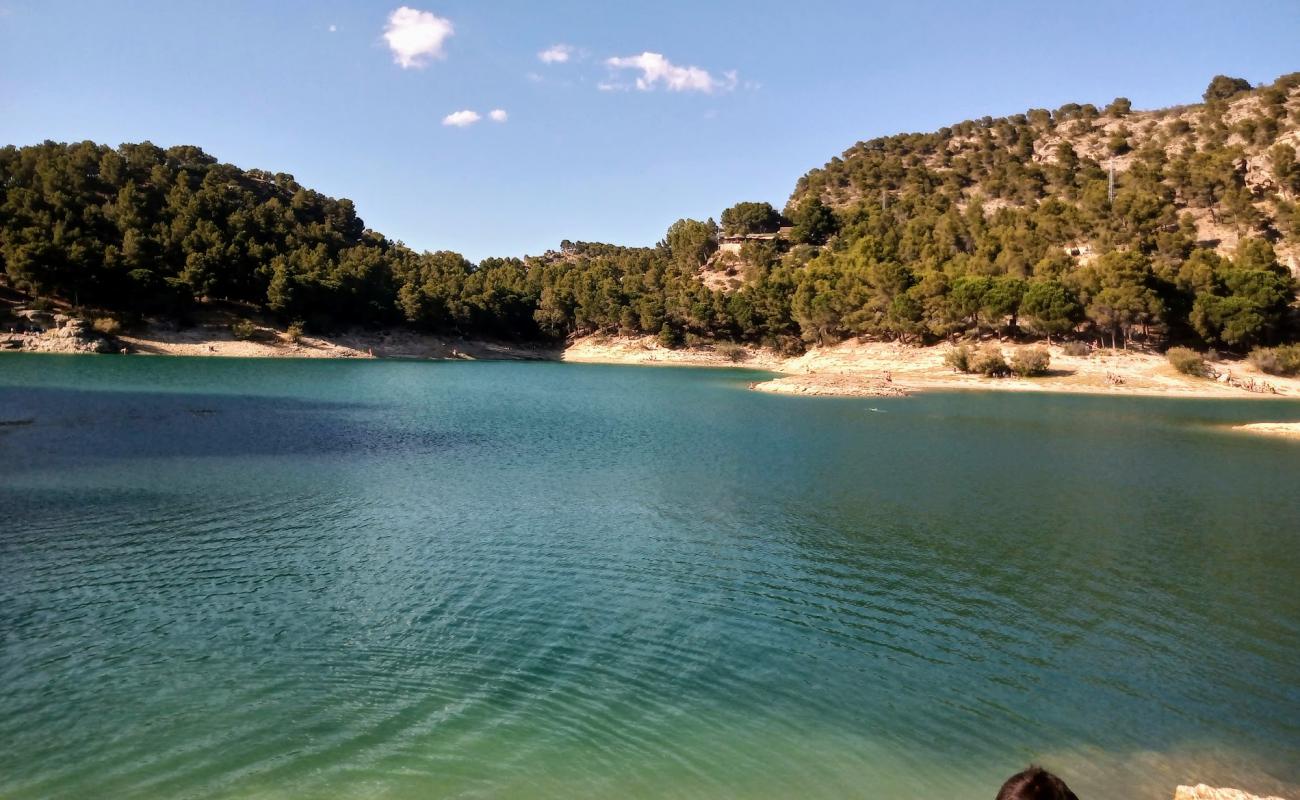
x: 1286, y: 430
x: 847, y: 369
x: 873, y: 369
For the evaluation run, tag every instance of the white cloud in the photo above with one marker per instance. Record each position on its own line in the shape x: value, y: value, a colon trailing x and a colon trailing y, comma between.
x: 556, y: 54
x: 461, y: 119
x: 498, y: 115
x: 655, y: 70
x: 416, y: 36
x: 333, y: 28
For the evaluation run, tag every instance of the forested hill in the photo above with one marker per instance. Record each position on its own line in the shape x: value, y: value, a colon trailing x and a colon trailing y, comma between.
x: 143, y: 230
x: 1001, y: 226
x: 1018, y: 210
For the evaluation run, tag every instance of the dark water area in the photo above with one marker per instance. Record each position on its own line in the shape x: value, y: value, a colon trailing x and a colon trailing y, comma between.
x: 231, y: 578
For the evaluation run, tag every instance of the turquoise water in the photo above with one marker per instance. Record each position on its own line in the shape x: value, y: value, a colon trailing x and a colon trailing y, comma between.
x: 312, y: 579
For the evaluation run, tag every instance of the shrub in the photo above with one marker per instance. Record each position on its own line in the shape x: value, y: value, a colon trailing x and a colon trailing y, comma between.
x: 1187, y: 361
x: 694, y: 340
x: 787, y: 345
x: 1030, y: 362
x: 990, y: 363
x: 1076, y: 349
x: 1277, y: 360
x: 106, y: 325
x: 670, y: 337
x: 958, y: 358
x: 294, y: 332
x: 243, y: 329
x: 733, y: 352
x: 1223, y: 87
x: 1119, y: 107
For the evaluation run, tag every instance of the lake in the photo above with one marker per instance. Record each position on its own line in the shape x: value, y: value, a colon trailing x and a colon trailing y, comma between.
x: 386, y: 579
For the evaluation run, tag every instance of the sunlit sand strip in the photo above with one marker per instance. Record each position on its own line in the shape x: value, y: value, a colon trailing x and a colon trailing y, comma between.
x: 1288, y: 430
x: 1203, y: 792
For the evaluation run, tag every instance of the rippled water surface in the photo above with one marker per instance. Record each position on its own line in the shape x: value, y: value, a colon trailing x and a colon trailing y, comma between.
x: 261, y: 579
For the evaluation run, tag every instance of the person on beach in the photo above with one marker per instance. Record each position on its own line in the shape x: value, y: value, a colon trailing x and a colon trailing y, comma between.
x: 1035, y: 783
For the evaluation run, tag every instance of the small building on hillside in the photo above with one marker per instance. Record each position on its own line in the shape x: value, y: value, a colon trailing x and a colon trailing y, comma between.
x: 733, y: 242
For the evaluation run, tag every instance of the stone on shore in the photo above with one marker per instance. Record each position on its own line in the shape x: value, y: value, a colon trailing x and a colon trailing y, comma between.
x: 72, y: 336
x: 1202, y: 792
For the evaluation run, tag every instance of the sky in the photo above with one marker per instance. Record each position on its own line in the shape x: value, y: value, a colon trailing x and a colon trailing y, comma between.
x: 501, y: 128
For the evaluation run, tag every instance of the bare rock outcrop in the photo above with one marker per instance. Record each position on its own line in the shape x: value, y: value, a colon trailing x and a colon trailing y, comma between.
x: 68, y: 335
x: 1202, y: 792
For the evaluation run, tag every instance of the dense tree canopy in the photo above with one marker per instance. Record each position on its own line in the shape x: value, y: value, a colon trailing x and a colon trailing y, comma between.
x: 989, y: 227
x: 750, y: 218
x: 1020, y: 198
x: 814, y: 222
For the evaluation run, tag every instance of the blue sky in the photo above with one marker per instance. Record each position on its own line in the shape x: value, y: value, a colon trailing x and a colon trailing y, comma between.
x: 739, y: 100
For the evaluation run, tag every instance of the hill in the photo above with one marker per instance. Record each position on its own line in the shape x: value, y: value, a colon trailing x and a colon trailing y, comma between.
x: 1178, y: 225
x: 1227, y: 162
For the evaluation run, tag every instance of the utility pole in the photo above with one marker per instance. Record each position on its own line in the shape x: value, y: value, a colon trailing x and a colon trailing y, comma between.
x: 1110, y: 188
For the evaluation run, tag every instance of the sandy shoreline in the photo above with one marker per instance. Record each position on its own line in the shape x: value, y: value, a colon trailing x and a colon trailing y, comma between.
x: 848, y: 369
x: 646, y: 351
x: 888, y: 369
x: 1286, y: 430
x: 218, y: 342
x: 1113, y: 372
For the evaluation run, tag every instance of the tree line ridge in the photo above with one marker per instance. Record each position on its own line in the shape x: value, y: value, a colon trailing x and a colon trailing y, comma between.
x: 1180, y: 225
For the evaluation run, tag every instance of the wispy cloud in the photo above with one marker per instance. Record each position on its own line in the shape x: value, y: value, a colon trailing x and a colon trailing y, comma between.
x: 498, y: 115
x: 334, y: 28
x: 461, y: 119
x: 416, y: 36
x: 556, y: 54
x: 657, y: 70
